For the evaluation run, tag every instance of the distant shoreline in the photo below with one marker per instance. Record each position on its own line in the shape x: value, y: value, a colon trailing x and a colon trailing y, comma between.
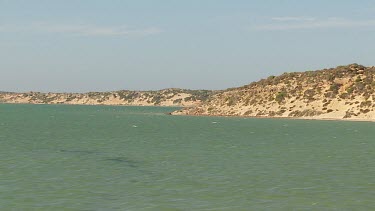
x: 165, y: 97
x: 119, y: 105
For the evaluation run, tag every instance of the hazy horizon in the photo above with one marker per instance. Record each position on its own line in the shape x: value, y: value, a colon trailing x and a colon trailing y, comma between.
x: 82, y: 46
x: 142, y: 90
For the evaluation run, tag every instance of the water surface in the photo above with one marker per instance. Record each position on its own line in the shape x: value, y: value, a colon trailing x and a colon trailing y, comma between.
x: 59, y: 157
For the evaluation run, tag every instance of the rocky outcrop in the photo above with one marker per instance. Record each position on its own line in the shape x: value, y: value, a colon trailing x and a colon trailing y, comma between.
x: 344, y: 92
x: 166, y: 97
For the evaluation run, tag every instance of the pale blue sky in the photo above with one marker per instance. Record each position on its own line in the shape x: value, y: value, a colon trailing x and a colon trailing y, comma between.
x: 100, y: 45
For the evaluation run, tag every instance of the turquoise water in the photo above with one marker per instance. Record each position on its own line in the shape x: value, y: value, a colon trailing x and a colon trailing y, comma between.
x: 56, y: 157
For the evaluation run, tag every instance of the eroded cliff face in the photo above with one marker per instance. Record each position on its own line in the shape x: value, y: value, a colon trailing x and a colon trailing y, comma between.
x: 344, y: 92
x: 166, y: 97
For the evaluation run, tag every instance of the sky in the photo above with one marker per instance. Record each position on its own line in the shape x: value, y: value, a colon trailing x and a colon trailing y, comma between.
x: 104, y: 45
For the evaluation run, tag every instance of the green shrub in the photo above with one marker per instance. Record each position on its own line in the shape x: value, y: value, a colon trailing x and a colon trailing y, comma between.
x: 280, y: 96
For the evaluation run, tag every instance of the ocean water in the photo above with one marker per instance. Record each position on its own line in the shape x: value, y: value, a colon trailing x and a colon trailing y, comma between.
x: 60, y: 157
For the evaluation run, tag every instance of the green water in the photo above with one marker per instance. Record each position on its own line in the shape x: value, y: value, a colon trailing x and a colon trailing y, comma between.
x: 55, y: 157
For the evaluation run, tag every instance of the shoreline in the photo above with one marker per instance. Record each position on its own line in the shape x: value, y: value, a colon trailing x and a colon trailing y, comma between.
x: 201, y: 115
x: 269, y: 117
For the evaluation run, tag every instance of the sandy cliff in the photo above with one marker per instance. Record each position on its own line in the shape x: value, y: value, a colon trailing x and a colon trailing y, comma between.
x: 344, y: 92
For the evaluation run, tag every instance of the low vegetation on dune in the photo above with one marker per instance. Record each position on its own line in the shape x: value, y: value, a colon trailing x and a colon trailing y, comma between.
x: 346, y: 92
x: 165, y: 97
